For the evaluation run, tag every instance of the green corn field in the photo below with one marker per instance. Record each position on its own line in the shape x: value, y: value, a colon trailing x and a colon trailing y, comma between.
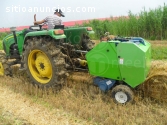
x: 150, y: 24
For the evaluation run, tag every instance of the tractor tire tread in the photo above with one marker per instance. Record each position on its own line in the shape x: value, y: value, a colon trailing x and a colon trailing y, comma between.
x: 6, y: 64
x: 54, y: 54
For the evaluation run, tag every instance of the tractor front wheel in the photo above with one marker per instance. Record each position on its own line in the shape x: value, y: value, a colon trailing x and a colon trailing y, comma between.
x: 5, y: 68
x: 122, y: 94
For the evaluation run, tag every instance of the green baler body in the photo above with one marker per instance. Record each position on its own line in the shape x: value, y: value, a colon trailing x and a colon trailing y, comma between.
x: 124, y: 61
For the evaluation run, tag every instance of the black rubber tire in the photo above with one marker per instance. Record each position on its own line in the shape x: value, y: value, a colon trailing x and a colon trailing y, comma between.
x: 87, y: 44
x: 5, y: 64
x: 55, y: 57
x: 124, y: 91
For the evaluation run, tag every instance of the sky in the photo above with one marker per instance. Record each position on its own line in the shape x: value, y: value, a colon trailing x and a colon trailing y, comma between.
x: 20, y: 12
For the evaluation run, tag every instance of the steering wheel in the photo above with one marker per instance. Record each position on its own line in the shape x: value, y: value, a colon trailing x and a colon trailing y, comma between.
x: 40, y: 25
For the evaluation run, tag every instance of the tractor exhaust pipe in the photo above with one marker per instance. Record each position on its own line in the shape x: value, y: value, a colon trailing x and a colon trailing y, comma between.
x: 80, y: 51
x: 13, y: 29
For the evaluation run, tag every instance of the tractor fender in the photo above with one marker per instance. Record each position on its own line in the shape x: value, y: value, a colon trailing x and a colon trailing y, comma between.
x: 45, y: 33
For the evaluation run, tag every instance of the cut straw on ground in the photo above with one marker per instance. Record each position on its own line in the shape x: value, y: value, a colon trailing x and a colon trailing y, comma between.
x: 155, y: 85
x: 21, y: 107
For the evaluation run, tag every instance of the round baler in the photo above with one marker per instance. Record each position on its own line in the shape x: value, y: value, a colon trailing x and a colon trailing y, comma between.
x: 121, y: 65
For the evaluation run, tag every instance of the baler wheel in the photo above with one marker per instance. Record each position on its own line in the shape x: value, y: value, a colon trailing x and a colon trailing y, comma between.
x: 122, y: 94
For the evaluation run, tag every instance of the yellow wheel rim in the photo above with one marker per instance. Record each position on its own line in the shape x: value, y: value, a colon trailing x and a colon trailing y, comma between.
x: 40, y: 66
x: 1, y: 69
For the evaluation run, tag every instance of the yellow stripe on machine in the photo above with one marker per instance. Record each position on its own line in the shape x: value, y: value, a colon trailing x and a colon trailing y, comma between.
x: 10, y: 37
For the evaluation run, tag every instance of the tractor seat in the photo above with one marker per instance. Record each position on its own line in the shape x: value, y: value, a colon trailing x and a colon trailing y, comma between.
x: 59, y: 27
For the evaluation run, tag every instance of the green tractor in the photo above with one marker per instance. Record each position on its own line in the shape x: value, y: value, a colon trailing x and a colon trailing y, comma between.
x: 40, y: 51
x: 120, y: 64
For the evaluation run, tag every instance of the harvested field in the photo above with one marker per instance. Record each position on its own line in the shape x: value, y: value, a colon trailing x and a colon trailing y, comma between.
x: 79, y: 102
x: 32, y: 113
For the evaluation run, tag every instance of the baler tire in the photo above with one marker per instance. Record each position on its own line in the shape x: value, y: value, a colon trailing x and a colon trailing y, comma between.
x: 122, y: 94
x: 5, y: 68
x: 44, y: 63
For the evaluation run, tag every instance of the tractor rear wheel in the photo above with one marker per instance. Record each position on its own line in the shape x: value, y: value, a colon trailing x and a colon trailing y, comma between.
x: 5, y: 68
x: 122, y: 94
x: 44, y: 62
